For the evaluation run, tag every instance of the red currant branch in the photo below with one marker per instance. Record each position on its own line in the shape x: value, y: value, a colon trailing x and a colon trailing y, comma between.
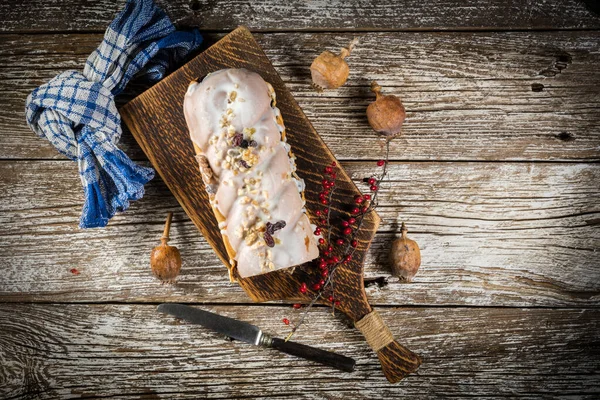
x: 329, y: 265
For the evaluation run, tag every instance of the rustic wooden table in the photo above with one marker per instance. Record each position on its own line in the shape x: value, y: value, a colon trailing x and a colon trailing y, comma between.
x: 497, y: 176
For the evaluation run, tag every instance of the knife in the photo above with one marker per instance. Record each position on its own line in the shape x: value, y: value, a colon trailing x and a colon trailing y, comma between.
x: 249, y: 333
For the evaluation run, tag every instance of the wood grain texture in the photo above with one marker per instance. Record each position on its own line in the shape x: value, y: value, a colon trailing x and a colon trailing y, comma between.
x: 131, y: 351
x: 295, y: 15
x: 469, y: 96
x: 500, y: 234
x: 493, y: 234
x: 164, y: 138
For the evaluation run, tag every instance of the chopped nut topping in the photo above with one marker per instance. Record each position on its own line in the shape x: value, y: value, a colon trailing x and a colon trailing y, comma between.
x: 250, y: 238
x: 239, y: 232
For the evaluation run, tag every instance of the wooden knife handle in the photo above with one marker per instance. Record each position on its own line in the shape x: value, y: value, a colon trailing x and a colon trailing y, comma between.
x: 329, y: 358
x: 396, y: 360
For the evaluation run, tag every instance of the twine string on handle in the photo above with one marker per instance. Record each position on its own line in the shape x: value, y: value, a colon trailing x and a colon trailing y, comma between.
x: 76, y: 111
x: 376, y: 332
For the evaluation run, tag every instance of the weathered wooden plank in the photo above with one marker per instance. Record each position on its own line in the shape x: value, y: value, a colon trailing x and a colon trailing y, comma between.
x: 51, y: 351
x: 501, y: 234
x: 298, y: 15
x: 469, y: 96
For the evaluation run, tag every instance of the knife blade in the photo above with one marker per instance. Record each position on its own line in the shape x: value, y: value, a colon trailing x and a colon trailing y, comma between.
x: 252, y: 334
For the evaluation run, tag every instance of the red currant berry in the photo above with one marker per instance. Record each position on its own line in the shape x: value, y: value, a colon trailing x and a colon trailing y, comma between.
x: 351, y: 220
x: 322, y: 263
x: 355, y: 210
x: 324, y: 273
x: 372, y: 181
x: 365, y: 209
x: 316, y: 286
x: 337, y: 303
x: 374, y: 188
x: 345, y: 224
x: 297, y: 306
x: 330, y: 248
x: 318, y: 231
x: 328, y: 170
x: 358, y: 199
x: 340, y: 242
x: 347, y: 231
x: 333, y: 164
x: 321, y: 240
x: 354, y: 243
x: 330, y: 298
x: 326, y: 253
x: 325, y: 211
x: 324, y: 202
x: 303, y: 288
x: 348, y: 258
x: 336, y: 259
x: 325, y: 182
x: 367, y: 197
x: 322, y: 221
x: 318, y: 213
x: 380, y: 163
x: 286, y: 321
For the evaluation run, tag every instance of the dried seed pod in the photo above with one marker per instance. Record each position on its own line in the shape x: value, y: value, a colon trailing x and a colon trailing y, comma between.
x: 405, y: 257
x: 330, y: 71
x: 386, y: 114
x: 165, y: 260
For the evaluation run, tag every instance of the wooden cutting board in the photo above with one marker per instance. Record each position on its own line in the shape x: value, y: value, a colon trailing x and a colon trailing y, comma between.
x: 157, y: 122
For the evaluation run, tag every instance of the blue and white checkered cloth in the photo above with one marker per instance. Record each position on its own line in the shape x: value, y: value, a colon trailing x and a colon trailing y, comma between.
x: 76, y: 111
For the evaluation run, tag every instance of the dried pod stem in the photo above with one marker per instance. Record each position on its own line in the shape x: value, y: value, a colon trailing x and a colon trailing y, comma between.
x: 405, y: 257
x: 330, y: 71
x: 386, y: 114
x: 165, y: 260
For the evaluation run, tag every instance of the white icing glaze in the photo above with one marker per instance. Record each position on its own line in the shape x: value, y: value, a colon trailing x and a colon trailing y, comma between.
x: 234, y: 101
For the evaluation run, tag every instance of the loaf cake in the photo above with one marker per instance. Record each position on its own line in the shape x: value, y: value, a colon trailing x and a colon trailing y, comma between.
x: 249, y: 172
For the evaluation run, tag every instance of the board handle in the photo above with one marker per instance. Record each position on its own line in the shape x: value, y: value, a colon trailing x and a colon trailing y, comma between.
x: 396, y: 360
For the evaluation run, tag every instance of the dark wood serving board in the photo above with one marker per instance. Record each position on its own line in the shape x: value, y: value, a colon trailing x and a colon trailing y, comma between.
x: 156, y: 120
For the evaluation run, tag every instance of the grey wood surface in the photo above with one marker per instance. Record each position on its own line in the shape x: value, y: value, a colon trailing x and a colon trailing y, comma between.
x: 499, y: 234
x: 93, y: 350
x: 311, y: 15
x: 463, y: 94
x: 496, y: 176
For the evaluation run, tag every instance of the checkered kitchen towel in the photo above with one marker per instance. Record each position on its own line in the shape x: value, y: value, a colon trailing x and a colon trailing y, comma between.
x: 76, y: 111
